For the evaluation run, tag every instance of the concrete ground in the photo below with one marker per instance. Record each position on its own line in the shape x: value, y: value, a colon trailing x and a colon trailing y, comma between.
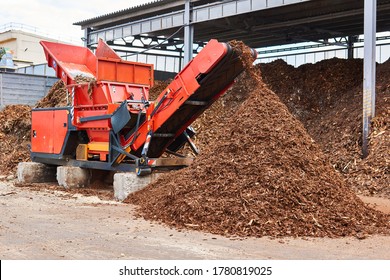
x: 56, y: 225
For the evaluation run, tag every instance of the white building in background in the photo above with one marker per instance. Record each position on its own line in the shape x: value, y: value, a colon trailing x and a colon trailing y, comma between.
x: 23, y: 44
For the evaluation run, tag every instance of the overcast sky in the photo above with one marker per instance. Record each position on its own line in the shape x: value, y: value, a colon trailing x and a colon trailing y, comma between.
x: 56, y: 17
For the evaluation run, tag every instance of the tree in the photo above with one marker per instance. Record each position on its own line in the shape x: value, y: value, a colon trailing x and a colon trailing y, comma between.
x: 2, y: 52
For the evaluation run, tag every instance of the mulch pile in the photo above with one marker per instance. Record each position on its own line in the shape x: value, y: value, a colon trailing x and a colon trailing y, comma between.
x: 265, y: 176
x: 56, y: 97
x: 327, y: 98
x: 58, y: 94
x: 214, y: 118
x: 311, y: 89
x: 15, y: 126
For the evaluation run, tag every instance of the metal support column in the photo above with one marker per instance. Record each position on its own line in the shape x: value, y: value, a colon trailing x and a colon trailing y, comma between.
x: 350, y: 43
x: 369, y: 70
x: 188, y: 33
x: 180, y: 60
x: 86, y: 36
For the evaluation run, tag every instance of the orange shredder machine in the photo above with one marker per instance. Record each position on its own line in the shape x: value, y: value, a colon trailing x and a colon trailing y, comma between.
x: 109, y: 122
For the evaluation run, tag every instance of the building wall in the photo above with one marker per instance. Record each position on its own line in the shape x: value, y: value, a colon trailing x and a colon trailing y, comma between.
x: 24, y: 46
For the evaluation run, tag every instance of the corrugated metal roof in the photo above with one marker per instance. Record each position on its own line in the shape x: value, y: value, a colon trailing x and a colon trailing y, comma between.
x: 130, y: 10
x: 306, y: 20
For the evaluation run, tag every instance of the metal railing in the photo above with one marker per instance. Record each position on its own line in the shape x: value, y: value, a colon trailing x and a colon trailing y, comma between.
x: 302, y: 54
x: 38, y: 69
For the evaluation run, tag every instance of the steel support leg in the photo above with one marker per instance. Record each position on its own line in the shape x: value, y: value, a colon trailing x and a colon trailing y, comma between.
x: 191, y: 143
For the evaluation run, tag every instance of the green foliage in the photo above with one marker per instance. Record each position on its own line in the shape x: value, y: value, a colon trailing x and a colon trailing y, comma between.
x: 2, y: 51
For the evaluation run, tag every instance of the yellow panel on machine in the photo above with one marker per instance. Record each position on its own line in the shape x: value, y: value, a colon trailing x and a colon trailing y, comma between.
x: 91, y: 150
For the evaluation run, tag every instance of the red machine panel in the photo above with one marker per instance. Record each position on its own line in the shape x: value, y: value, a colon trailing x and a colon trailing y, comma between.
x: 48, y: 131
x: 60, y: 127
x: 42, y: 132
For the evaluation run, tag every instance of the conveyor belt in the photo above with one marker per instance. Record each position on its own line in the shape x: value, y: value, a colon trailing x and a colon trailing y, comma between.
x: 212, y: 85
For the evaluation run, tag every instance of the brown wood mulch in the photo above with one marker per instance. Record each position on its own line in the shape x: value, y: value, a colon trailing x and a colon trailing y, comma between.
x: 264, y: 176
x: 15, y: 126
x: 327, y: 98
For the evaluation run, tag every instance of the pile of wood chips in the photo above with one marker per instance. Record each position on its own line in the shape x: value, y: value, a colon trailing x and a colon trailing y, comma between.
x: 327, y: 98
x: 56, y: 97
x: 262, y: 176
x: 15, y: 126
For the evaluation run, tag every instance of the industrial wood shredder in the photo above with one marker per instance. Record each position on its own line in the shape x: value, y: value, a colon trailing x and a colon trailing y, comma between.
x: 110, y: 123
